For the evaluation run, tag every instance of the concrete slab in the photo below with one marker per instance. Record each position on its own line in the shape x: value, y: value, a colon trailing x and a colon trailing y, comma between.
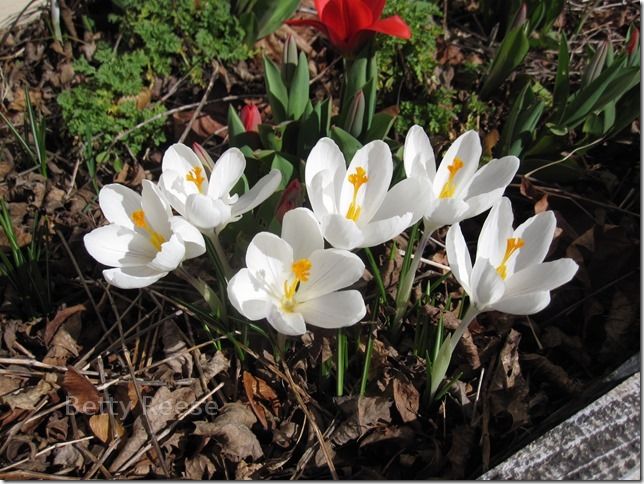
x: 10, y: 9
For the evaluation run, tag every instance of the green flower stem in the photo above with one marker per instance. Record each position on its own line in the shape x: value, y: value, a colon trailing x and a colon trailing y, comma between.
x: 342, y: 342
x: 404, y: 290
x: 367, y: 365
x: 471, y: 313
x: 376, y: 274
x: 221, y: 255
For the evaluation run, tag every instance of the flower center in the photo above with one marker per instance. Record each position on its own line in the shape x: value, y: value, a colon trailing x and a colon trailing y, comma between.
x: 195, y: 176
x: 511, y: 246
x: 138, y: 217
x: 301, y: 270
x: 450, y: 187
x: 357, y: 179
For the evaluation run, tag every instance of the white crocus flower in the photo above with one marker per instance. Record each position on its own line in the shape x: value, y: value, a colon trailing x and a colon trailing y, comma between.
x: 207, y: 204
x: 143, y: 241
x: 353, y: 205
x: 508, y: 275
x: 293, y: 280
x: 458, y: 189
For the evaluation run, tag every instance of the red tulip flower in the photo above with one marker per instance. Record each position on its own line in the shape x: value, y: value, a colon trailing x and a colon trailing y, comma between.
x: 350, y: 23
x: 292, y: 197
x: 251, y: 117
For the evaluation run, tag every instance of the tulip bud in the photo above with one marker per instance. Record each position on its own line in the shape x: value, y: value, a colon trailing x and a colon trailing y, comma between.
x: 251, y: 117
x: 596, y: 65
x: 292, y: 197
x: 520, y: 17
x: 633, y: 41
x: 289, y: 60
x: 203, y: 156
x: 355, y: 116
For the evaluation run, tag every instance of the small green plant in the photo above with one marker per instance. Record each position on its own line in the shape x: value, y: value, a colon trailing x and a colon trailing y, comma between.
x: 22, y: 265
x: 109, y: 103
x: 187, y: 35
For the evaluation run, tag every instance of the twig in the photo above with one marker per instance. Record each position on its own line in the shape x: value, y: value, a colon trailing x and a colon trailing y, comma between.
x: 200, y: 106
x: 137, y: 388
x: 45, y: 450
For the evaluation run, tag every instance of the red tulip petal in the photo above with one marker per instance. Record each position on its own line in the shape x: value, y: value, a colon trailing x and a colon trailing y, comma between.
x: 320, y: 6
x: 376, y: 6
x: 394, y: 26
x: 297, y: 22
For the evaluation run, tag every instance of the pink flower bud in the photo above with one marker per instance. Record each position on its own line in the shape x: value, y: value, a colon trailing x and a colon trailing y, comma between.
x: 203, y: 156
x: 292, y: 197
x: 633, y: 41
x: 250, y: 117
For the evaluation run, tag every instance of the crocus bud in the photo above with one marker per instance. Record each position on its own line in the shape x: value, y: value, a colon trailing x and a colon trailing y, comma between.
x: 250, y: 117
x: 633, y: 41
x: 355, y: 116
x: 203, y: 156
x: 292, y: 197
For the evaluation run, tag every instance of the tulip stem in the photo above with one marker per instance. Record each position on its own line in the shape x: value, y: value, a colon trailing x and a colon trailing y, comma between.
x: 221, y: 255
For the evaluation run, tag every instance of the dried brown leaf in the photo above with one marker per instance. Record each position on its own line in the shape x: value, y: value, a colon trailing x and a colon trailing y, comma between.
x: 406, y: 398
x: 29, y: 398
x: 101, y: 427
x: 83, y: 394
x: 61, y: 316
x: 199, y: 467
x: 174, y: 343
x: 69, y: 456
x: 363, y: 414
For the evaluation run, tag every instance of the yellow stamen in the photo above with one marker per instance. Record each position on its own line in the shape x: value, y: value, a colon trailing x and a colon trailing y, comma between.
x: 357, y: 179
x: 195, y: 176
x: 301, y: 269
x: 511, y: 246
x: 138, y: 217
x: 449, y: 188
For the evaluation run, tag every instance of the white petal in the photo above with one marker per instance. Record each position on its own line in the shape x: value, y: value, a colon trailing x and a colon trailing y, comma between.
x: 156, y: 208
x: 331, y: 270
x: 341, y: 233
x: 467, y: 148
x: 180, y: 158
x: 117, y: 203
x: 445, y: 211
x: 302, y: 231
x: 323, y: 195
x: 486, y: 284
x: 335, y: 310
x: 289, y: 324
x: 458, y: 256
x: 494, y: 175
x: 524, y: 304
x: 418, y: 154
x: 381, y: 231
x: 541, y: 277
x: 132, y: 277
x: 537, y: 233
x: 409, y: 195
x: 324, y: 173
x: 269, y: 260
x: 206, y: 213
x: 248, y: 297
x: 172, y: 185
x: 228, y: 170
x: 118, y: 246
x: 263, y: 189
x: 497, y: 228
x: 192, y: 238
x: 375, y: 159
x: 170, y: 256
